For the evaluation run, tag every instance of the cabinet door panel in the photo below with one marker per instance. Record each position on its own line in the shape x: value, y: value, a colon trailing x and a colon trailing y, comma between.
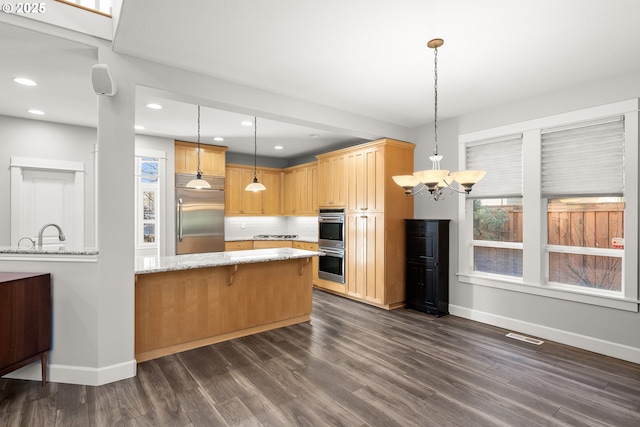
x: 373, y: 225
x: 324, y: 182
x: 355, y: 256
x: 289, y: 197
x: 311, y: 190
x: 356, y: 190
x: 416, y: 280
x: 232, y: 199
x: 251, y: 201
x: 374, y: 180
x: 271, y: 198
x: 337, y: 179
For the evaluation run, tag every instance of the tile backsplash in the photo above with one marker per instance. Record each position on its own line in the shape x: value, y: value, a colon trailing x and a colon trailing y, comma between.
x: 245, y: 227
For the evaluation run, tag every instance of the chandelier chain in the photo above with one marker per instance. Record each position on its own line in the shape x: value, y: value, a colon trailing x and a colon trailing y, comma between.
x: 435, y: 97
x: 255, y: 147
x: 198, y: 140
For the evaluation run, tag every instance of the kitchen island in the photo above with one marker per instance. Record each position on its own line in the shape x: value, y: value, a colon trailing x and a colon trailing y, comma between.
x: 188, y: 301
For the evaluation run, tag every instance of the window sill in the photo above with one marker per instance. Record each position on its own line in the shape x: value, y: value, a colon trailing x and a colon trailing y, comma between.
x: 516, y: 284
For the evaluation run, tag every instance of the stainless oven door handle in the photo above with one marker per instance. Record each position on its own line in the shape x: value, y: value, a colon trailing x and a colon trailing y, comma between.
x: 324, y: 252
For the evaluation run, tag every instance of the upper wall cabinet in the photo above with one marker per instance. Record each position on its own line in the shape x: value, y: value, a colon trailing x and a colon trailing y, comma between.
x: 366, y: 179
x: 241, y: 202
x: 300, y: 191
x: 212, y: 158
x: 359, y: 178
x: 331, y: 180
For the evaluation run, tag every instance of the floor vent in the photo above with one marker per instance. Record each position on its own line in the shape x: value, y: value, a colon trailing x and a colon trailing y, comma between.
x: 525, y: 339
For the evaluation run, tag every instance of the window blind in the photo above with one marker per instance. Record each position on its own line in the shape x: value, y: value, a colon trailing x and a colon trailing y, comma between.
x: 502, y: 159
x: 584, y: 160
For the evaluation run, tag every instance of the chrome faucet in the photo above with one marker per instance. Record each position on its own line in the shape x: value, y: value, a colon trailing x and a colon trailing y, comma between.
x: 60, y: 233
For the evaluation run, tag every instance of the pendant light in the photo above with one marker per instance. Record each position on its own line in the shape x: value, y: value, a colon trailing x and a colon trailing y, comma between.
x: 435, y: 180
x: 198, y: 183
x: 255, y: 186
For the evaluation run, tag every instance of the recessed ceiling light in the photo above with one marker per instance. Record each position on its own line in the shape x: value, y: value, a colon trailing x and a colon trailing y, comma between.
x: 278, y: 147
x: 36, y: 112
x: 154, y: 106
x: 25, y: 81
x: 139, y: 127
x: 218, y: 138
x: 246, y: 123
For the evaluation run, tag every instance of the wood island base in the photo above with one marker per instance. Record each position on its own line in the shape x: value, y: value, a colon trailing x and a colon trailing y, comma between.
x: 181, y: 310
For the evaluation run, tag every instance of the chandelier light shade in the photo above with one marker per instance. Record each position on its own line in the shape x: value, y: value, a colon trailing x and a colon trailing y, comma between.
x: 255, y: 186
x: 435, y: 180
x: 407, y: 182
x: 198, y: 183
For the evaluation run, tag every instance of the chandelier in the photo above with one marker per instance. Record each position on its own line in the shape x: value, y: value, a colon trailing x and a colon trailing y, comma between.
x: 198, y: 183
x: 436, y: 180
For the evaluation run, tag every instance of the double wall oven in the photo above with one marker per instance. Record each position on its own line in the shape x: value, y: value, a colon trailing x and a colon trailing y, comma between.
x: 331, y: 236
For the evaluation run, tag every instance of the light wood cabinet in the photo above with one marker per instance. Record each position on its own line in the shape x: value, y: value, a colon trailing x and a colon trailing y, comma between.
x: 236, y: 200
x: 375, y: 211
x: 365, y: 180
x: 212, y: 158
x: 272, y: 196
x: 312, y: 189
x: 238, y: 245
x: 366, y: 247
x: 300, y: 190
x: 331, y: 180
x: 308, y: 246
x: 268, y: 244
x: 241, y: 202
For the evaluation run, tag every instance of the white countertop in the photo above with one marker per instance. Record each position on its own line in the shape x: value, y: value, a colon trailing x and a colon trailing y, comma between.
x: 155, y: 264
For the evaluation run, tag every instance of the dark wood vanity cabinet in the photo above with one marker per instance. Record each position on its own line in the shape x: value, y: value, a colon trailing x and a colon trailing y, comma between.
x: 25, y: 320
x: 427, y: 269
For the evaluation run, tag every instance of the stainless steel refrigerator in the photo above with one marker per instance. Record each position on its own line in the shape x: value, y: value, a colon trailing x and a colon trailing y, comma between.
x: 199, y: 216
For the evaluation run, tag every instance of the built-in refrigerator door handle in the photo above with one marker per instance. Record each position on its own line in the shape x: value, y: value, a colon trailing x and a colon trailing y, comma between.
x: 180, y: 219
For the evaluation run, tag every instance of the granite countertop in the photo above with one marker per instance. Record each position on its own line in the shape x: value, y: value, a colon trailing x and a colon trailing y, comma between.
x: 47, y: 250
x: 154, y: 264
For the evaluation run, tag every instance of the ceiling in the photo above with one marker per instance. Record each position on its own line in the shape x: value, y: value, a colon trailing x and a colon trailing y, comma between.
x: 367, y: 57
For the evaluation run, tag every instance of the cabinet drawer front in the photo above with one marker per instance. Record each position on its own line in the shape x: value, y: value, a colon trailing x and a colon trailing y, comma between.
x: 238, y: 246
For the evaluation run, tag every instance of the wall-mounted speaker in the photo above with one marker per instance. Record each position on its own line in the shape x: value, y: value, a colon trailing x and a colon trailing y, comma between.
x: 103, y: 83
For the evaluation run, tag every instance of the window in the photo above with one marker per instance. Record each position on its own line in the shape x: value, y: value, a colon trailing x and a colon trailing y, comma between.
x: 147, y: 191
x: 581, y: 229
x: 572, y: 227
x: 497, y: 236
x: 497, y: 206
x: 585, y: 242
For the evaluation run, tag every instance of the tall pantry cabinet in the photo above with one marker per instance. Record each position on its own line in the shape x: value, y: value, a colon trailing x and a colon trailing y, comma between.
x: 375, y: 210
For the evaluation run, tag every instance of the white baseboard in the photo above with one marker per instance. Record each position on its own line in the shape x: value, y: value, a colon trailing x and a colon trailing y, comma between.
x: 77, y: 374
x: 607, y: 348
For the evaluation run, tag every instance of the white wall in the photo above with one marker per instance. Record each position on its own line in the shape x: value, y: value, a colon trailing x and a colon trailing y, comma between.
x: 608, y: 331
x: 51, y: 141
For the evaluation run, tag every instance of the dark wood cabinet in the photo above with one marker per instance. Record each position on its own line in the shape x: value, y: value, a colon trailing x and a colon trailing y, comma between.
x: 427, y: 270
x: 25, y: 320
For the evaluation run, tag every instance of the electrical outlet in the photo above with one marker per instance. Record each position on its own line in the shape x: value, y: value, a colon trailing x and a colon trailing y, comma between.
x: 242, y: 225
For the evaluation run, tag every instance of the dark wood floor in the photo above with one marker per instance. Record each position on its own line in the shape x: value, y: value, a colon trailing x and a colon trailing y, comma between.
x: 353, y: 365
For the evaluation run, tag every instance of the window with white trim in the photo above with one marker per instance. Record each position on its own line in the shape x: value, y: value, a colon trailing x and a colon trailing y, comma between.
x: 147, y: 202
x: 497, y: 205
x: 575, y: 221
x: 585, y: 208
